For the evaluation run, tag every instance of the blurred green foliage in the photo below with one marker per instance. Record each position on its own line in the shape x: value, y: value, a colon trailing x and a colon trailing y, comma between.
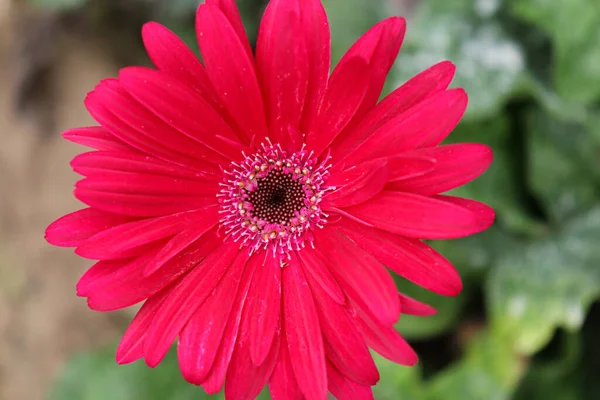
x: 522, y: 327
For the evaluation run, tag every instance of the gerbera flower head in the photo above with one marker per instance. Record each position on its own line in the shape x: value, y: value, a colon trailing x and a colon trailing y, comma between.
x: 254, y: 202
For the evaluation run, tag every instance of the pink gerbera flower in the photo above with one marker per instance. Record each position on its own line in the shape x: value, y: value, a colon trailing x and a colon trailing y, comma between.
x: 254, y: 202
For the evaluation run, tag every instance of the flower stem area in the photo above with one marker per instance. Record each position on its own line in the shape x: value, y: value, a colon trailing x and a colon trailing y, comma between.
x: 526, y: 323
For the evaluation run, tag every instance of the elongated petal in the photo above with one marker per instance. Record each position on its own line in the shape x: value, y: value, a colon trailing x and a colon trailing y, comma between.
x: 416, y: 216
x: 409, y: 258
x: 113, y: 285
x: 357, y: 184
x: 344, y: 388
x: 181, y: 242
x: 115, y: 109
x: 97, y: 138
x: 200, y: 339
x: 215, y: 379
x: 413, y: 91
x: 344, y: 345
x: 89, y: 164
x: 178, y: 106
x: 113, y: 242
x: 318, y: 44
x: 283, y: 385
x: 345, y: 91
x: 73, y: 229
x: 484, y: 214
x: 282, y: 67
x: 319, y: 272
x: 245, y: 380
x: 383, y: 339
x: 361, y: 276
x: 125, y: 182
x: 185, y: 299
x: 231, y: 12
x: 231, y: 69
x: 405, y: 167
x: 173, y: 57
x: 456, y: 164
x: 379, y: 46
x: 131, y: 346
x: 414, y: 127
x: 414, y: 307
x: 266, y: 299
x: 303, y: 333
x: 140, y: 205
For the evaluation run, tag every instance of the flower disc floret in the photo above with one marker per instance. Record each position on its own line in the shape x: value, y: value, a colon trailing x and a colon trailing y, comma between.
x: 271, y: 199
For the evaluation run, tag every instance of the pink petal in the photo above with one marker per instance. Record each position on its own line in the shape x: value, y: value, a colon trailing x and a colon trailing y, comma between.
x: 72, y: 229
x: 345, y: 92
x: 318, y: 270
x: 179, y: 243
x: 317, y: 39
x: 231, y: 12
x: 426, y: 83
x: 173, y: 57
x: 200, y: 339
x: 125, y: 182
x: 484, y: 214
x: 383, y: 339
x: 131, y: 346
x: 113, y: 242
x: 231, y: 69
x: 282, y: 68
x: 361, y: 276
x: 343, y: 388
x: 414, y: 307
x: 456, y: 164
x: 414, y: 127
x: 215, y: 379
x: 141, y: 205
x: 245, y: 380
x: 179, y: 107
x: 356, y: 184
x: 265, y: 293
x: 184, y: 300
x: 405, y: 167
x: 95, y: 162
x: 409, y: 258
x: 283, y: 385
x: 97, y: 138
x: 344, y: 345
x: 115, y: 109
x: 303, y: 333
x: 110, y: 286
x: 379, y: 46
x: 416, y: 216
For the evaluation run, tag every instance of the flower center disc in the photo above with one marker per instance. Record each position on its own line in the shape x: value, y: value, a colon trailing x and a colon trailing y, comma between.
x: 277, y: 198
x: 271, y: 200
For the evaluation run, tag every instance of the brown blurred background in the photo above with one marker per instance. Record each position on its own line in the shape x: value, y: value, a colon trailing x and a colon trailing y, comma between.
x: 45, y: 72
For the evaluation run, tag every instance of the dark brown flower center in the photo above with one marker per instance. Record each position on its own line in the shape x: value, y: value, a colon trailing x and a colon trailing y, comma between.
x: 277, y: 197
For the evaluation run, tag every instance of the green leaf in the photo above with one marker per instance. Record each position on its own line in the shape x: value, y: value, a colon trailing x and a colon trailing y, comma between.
x: 538, y: 287
x: 397, y: 381
x: 59, y: 5
x: 489, y: 370
x: 97, y: 377
x: 448, y: 309
x: 348, y: 20
x: 489, y: 64
x: 574, y: 27
x: 563, y: 165
x: 498, y: 186
x: 559, y: 379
